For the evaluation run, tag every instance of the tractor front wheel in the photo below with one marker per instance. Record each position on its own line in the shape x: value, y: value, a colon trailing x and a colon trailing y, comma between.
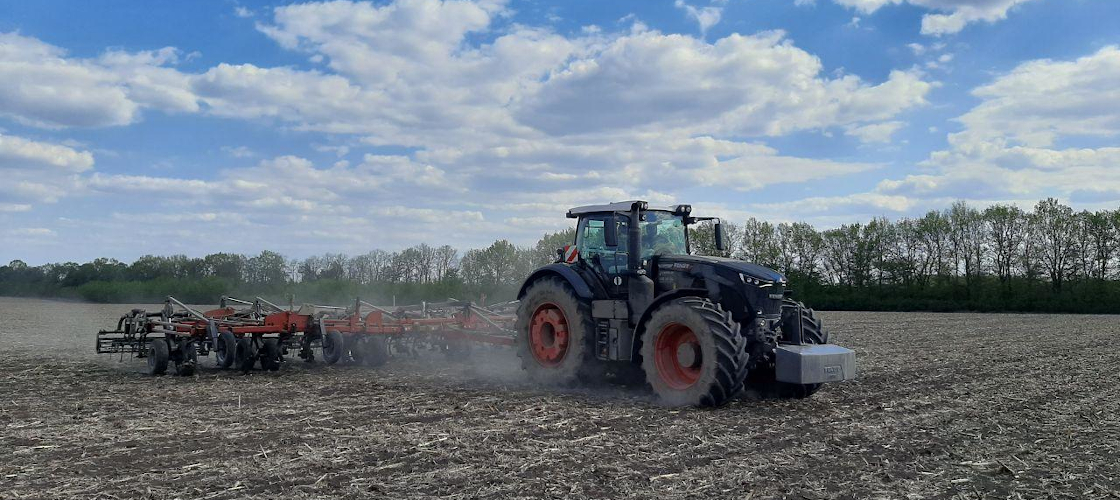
x: 554, y: 330
x: 812, y: 332
x: 692, y: 353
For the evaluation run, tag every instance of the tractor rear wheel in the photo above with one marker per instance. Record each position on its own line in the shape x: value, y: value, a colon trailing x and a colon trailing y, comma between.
x: 270, y: 354
x: 225, y: 349
x: 692, y: 353
x: 333, y: 347
x: 187, y: 359
x: 246, y: 354
x: 158, y: 354
x: 554, y: 333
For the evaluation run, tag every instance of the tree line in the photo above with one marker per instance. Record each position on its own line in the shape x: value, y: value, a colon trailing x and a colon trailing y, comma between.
x: 1002, y: 258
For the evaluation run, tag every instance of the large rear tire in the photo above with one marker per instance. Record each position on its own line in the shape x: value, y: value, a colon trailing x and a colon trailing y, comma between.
x: 554, y: 333
x: 158, y: 354
x: 692, y: 353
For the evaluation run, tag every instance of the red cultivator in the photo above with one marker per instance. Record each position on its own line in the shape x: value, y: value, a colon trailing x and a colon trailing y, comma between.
x: 242, y: 333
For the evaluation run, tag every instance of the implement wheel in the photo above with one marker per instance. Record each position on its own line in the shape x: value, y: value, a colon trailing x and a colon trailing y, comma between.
x: 554, y: 333
x: 692, y: 353
x: 334, y: 346
x: 246, y: 354
x: 158, y: 354
x: 225, y: 350
x: 270, y: 354
x: 187, y: 360
x: 371, y: 350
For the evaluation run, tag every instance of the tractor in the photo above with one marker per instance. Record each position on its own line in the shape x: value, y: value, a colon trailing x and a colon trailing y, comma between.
x: 630, y: 295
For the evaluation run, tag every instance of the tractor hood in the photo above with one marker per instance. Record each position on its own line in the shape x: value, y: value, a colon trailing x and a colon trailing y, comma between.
x: 753, y: 270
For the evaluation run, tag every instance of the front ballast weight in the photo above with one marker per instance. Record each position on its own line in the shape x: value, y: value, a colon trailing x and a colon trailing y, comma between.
x: 245, y: 335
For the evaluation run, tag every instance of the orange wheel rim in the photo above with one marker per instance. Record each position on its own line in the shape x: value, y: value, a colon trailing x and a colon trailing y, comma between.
x: 678, y: 356
x: 548, y: 335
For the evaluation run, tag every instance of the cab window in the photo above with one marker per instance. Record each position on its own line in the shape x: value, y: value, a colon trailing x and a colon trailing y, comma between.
x: 592, y: 244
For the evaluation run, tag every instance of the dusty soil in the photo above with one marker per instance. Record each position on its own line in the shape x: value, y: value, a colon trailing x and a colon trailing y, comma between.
x: 947, y: 406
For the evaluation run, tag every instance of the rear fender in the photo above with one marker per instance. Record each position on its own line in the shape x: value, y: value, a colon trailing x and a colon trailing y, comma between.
x: 582, y: 289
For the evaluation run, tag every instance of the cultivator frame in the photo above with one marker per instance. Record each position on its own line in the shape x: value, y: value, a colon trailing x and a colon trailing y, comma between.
x: 244, y: 333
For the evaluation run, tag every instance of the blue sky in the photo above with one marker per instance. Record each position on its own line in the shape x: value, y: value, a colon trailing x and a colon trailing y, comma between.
x: 129, y: 128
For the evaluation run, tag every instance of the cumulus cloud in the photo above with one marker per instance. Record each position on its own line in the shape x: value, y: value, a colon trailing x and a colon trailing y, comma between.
x: 705, y: 17
x: 1016, y: 143
x: 952, y: 15
x: 37, y: 172
x: 41, y: 87
x: 875, y: 132
x: 24, y: 154
x: 495, y: 117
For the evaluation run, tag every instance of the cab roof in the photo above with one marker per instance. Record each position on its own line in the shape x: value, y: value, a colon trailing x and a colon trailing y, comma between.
x: 625, y: 206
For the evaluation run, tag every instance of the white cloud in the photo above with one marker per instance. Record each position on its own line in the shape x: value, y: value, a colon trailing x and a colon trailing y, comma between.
x: 14, y: 207
x: 41, y: 87
x: 32, y: 232
x: 500, y: 133
x: 705, y: 17
x: 741, y: 85
x: 24, y: 154
x: 952, y: 16
x: 37, y: 172
x: 875, y: 132
x: 1017, y: 143
x: 239, y: 151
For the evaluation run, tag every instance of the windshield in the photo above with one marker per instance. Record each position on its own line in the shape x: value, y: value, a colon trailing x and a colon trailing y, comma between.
x: 663, y: 233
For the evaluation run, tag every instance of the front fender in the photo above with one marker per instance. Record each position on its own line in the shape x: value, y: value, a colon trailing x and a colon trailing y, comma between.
x: 657, y: 301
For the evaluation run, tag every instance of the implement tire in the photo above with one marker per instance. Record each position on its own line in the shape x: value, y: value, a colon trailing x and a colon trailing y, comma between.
x: 158, y: 354
x: 187, y: 359
x: 246, y: 354
x: 334, y: 346
x: 554, y: 333
x: 225, y: 350
x: 371, y: 350
x: 692, y: 353
x: 270, y: 354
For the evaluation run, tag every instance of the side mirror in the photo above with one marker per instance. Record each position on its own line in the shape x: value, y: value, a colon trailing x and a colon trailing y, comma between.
x: 610, y: 233
x: 720, y: 245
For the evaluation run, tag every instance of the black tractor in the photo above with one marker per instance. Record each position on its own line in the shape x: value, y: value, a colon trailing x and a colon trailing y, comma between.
x: 629, y: 294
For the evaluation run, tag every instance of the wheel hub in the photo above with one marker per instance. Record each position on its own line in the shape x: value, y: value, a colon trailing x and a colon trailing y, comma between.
x: 688, y: 355
x: 548, y: 335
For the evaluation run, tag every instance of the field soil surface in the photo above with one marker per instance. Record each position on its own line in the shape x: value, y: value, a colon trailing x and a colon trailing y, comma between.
x: 946, y: 406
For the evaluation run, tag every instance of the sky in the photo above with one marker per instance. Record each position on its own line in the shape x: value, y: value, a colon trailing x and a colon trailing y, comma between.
x: 137, y: 127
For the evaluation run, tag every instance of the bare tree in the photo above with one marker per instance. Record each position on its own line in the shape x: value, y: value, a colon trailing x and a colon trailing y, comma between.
x: 1057, y: 231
